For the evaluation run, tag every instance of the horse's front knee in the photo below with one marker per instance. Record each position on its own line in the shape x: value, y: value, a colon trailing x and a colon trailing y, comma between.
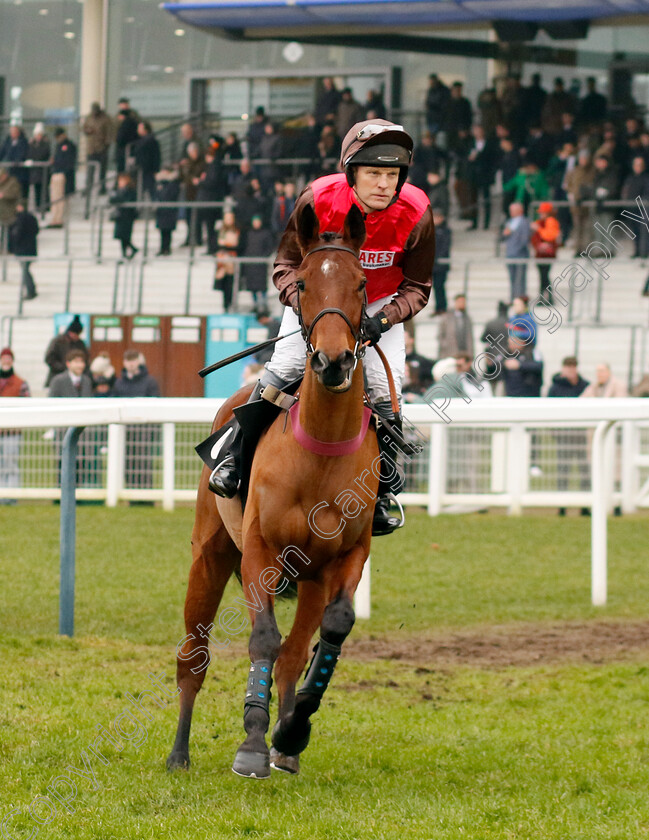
x: 337, y: 621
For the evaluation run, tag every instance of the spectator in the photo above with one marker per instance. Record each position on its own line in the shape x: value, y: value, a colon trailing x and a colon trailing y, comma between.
x: 256, y: 132
x: 23, y: 234
x: 188, y: 135
x: 228, y: 243
x: 605, y: 384
x: 437, y: 191
x: 329, y: 149
x: 539, y: 147
x: 456, y: 331
x: 98, y: 131
x: 637, y: 184
x: 39, y: 152
x: 191, y: 169
x: 428, y: 157
x: 326, y: 106
x: 509, y: 162
x: 270, y: 149
x: 348, y: 113
x: 482, y: 170
x: 523, y: 371
x: 102, y: 374
x: 513, y: 106
x: 73, y: 381
x: 437, y: 99
x: 166, y: 218
x: 259, y: 243
x: 124, y: 217
x: 605, y: 188
x: 528, y: 184
x: 146, y: 151
x: 495, y: 336
x: 443, y: 242
x: 572, y: 447
x: 142, y: 441
x: 593, y: 107
x: 15, y: 150
x: 253, y: 203
x: 568, y: 134
x: 522, y: 325
x: 491, y: 112
x: 473, y: 385
x: 579, y: 188
x: 212, y: 187
x: 375, y: 106
x: 560, y: 166
x: 305, y: 146
x: 283, y: 206
x: 534, y: 98
x: 9, y: 197
x: 59, y: 347
x: 558, y: 102
x: 62, y: 179
x: 11, y: 385
x: 126, y: 132
x: 272, y: 326
x: 459, y: 116
x: 516, y: 234
x: 546, y: 237
x: 420, y: 367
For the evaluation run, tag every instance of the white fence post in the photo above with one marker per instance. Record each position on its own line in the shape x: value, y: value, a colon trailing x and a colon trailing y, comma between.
x: 630, y: 449
x: 599, y: 534
x: 517, y: 467
x: 115, y: 463
x: 168, y: 464
x: 436, y: 468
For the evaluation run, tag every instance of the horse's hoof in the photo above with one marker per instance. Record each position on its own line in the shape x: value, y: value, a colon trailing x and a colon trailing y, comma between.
x: 178, y: 761
x: 285, y: 763
x: 252, y: 765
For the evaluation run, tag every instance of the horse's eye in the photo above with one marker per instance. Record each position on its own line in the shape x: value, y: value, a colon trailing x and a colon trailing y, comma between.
x: 300, y: 285
x: 362, y: 284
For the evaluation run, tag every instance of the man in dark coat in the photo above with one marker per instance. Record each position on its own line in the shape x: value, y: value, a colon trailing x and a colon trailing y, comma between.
x: 572, y: 444
x: 73, y: 381
x: 127, y: 121
x: 212, y: 186
x: 166, y: 218
x: 142, y: 441
x: 60, y: 346
x: 22, y: 243
x: 458, y: 118
x: 637, y: 184
x: 443, y: 239
x: 437, y: 97
x: 522, y: 371
x: 62, y: 181
x: 14, y: 150
x: 147, y: 157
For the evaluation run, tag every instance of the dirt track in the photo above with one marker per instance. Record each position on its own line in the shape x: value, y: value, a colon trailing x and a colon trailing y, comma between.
x: 519, y: 645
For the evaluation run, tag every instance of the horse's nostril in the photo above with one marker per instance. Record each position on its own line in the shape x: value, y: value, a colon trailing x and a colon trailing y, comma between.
x: 319, y: 362
x: 345, y: 360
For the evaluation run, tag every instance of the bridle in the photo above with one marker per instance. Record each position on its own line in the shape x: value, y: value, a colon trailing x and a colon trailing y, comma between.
x: 357, y: 334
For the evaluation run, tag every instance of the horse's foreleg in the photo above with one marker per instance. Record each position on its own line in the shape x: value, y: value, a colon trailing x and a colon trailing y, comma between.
x: 292, y: 658
x: 291, y: 734
x: 253, y: 758
x: 215, y: 557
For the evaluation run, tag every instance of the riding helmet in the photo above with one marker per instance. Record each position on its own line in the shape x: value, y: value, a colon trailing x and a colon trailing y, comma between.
x: 377, y: 143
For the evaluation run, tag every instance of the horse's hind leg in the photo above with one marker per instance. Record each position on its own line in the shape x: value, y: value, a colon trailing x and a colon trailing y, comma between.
x: 214, y: 558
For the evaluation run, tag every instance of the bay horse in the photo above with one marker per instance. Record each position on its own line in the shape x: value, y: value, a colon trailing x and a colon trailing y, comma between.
x: 302, y: 464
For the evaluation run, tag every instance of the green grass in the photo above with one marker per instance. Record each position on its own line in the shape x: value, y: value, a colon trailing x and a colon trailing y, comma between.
x: 400, y: 749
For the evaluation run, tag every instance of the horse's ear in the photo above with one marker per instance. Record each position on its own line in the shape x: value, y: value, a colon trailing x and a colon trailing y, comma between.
x: 308, y: 229
x: 354, y: 229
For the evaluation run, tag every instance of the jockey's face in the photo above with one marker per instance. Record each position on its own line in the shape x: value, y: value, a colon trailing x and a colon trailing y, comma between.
x: 375, y: 186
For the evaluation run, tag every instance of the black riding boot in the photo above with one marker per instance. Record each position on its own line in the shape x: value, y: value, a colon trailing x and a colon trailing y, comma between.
x: 226, y: 475
x: 391, y: 481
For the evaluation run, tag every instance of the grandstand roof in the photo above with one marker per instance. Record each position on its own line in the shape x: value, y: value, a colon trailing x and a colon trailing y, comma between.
x: 252, y: 17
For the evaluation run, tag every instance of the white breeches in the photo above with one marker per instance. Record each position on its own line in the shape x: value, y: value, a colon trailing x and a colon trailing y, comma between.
x: 289, y: 358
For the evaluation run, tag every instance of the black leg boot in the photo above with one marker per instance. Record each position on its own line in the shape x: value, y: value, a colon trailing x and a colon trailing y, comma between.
x: 391, y: 481
x: 226, y: 475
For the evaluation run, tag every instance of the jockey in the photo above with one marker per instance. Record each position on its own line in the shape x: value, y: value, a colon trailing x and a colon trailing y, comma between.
x: 397, y: 258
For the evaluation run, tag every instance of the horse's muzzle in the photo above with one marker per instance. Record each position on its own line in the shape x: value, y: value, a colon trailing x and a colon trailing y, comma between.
x: 336, y: 375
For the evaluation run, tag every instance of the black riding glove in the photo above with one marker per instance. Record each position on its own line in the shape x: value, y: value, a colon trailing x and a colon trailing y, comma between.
x: 374, y: 327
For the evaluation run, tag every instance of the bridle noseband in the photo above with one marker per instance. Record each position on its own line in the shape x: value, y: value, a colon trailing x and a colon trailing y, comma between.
x: 357, y: 334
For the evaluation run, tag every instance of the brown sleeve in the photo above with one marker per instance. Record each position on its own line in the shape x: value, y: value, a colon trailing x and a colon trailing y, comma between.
x: 414, y: 290
x: 289, y: 255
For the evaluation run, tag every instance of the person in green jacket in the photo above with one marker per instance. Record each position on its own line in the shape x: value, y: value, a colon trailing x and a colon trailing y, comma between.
x: 529, y: 184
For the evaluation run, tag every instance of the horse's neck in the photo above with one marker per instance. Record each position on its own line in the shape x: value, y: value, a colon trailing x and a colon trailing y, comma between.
x: 331, y: 417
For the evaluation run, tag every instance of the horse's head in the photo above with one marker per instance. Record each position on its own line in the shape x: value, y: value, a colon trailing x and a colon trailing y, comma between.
x: 331, y: 288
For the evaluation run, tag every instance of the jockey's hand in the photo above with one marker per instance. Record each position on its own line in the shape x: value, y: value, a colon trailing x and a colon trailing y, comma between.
x: 374, y: 327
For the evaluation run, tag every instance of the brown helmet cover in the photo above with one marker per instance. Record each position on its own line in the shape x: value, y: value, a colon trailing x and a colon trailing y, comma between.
x: 390, y: 147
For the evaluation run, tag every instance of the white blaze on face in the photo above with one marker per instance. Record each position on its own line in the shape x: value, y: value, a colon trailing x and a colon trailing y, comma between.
x: 327, y: 267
